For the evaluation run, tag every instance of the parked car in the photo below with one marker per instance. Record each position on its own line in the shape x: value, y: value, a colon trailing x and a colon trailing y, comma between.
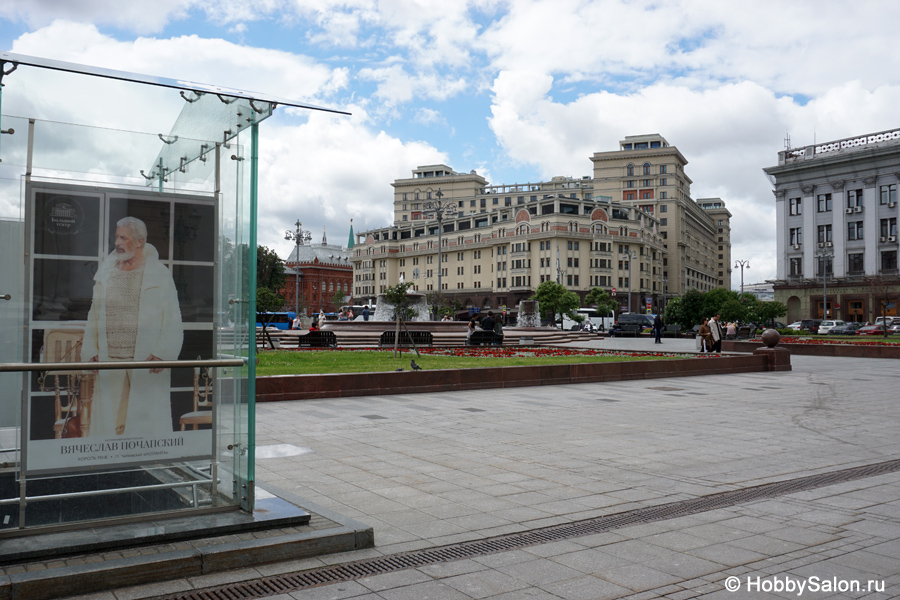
x: 845, y: 329
x: 894, y: 329
x: 827, y: 326
x: 871, y: 330
x: 810, y: 325
x: 795, y: 325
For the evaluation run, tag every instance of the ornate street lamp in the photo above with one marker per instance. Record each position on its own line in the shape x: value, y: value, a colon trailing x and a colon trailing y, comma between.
x: 437, y: 209
x: 298, y: 236
x: 742, y: 264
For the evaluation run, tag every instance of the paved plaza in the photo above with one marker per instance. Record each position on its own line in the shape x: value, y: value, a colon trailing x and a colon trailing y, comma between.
x: 429, y: 470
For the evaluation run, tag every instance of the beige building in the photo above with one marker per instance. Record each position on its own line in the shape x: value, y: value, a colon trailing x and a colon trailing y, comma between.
x: 505, y: 240
x: 648, y: 173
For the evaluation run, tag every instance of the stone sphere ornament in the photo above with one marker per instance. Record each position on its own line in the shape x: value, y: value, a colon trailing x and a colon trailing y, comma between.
x: 771, y: 337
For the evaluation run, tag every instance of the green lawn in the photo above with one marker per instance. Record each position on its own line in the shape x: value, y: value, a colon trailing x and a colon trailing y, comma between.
x: 287, y: 362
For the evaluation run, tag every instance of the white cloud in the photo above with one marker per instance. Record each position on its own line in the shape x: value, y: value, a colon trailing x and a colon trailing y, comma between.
x: 396, y: 86
x: 139, y: 16
x: 728, y: 134
x: 328, y: 171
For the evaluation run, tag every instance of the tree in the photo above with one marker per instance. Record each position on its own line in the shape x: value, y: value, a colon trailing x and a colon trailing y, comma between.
x: 397, y: 296
x: 267, y: 301
x: 768, y: 311
x: 733, y: 310
x: 688, y: 310
x: 337, y: 299
x: 599, y: 299
x: 441, y: 304
x: 554, y: 299
x: 269, y: 270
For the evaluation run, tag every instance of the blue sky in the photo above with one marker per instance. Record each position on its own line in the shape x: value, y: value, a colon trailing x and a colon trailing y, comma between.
x: 518, y: 90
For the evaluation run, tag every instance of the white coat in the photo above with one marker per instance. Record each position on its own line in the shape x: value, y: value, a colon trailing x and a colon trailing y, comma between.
x: 159, y: 333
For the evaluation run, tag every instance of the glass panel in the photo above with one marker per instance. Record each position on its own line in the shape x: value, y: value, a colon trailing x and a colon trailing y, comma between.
x: 63, y: 230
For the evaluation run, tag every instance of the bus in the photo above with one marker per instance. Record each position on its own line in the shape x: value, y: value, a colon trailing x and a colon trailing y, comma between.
x: 601, y: 322
x: 279, y: 320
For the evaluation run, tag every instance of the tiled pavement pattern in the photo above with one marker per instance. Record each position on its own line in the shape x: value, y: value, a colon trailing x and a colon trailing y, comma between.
x: 434, y: 469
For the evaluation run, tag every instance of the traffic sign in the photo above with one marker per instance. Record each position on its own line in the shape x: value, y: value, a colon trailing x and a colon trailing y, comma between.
x: 614, y: 291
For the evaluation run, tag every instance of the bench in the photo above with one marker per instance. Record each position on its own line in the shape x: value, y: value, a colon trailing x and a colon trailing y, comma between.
x: 673, y: 331
x: 421, y: 338
x: 317, y: 339
x: 629, y: 330
x: 485, y: 338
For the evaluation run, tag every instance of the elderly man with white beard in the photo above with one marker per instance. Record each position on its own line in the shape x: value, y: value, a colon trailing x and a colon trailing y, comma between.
x: 134, y: 316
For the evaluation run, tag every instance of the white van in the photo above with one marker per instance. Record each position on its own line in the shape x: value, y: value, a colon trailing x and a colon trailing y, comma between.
x: 826, y: 326
x: 601, y: 323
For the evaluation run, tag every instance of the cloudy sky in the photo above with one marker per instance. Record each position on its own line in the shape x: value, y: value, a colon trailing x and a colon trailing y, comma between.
x: 518, y: 90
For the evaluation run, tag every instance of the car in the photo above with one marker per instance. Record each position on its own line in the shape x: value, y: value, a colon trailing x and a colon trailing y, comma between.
x: 810, y: 325
x: 845, y: 329
x: 826, y: 326
x: 871, y: 330
x: 894, y: 329
x: 795, y: 325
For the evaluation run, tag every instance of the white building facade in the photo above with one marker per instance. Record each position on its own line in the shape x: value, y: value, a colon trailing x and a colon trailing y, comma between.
x: 836, y: 220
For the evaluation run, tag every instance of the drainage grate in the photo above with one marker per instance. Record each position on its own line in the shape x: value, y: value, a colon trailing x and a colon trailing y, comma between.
x: 282, y: 584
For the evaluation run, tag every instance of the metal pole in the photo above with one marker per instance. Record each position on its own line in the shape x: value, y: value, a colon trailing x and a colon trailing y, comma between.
x: 742, y: 264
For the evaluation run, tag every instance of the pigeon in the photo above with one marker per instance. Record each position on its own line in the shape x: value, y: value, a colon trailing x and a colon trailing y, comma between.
x: 400, y: 369
x: 414, y: 366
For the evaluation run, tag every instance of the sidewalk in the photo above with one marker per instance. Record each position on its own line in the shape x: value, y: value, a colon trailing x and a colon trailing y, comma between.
x: 435, y: 469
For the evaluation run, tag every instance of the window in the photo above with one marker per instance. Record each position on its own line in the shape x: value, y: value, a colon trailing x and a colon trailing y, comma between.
x: 796, y: 206
x: 823, y: 203
x: 662, y: 169
x: 796, y: 236
x: 889, y: 227
x: 646, y: 168
x: 629, y: 183
x: 629, y: 170
x: 646, y: 194
x: 629, y: 195
x: 663, y: 195
x: 888, y: 194
x: 855, y: 230
x: 646, y: 182
x: 663, y: 207
x: 824, y: 233
x: 796, y: 267
x: 854, y: 198
x: 855, y: 263
x: 889, y: 260
x: 824, y: 265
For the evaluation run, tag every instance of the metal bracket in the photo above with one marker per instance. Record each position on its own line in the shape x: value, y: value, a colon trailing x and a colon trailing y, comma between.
x: 225, y: 100
x: 191, y: 100
x: 165, y: 141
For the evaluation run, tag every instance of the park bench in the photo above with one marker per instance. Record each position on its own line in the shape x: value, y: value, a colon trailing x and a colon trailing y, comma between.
x: 407, y: 338
x: 673, y: 331
x: 317, y: 339
x: 485, y: 338
x: 629, y: 330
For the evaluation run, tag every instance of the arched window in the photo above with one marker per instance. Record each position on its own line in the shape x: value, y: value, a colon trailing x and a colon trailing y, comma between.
x: 646, y: 168
x: 629, y: 170
x: 545, y: 226
x: 522, y: 230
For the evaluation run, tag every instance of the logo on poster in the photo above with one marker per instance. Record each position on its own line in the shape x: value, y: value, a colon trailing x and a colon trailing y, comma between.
x: 63, y: 217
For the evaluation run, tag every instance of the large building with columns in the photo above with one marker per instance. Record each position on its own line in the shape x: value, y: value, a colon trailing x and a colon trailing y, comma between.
x: 836, y: 219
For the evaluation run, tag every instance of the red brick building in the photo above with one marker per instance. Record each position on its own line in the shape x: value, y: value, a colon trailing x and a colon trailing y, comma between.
x: 316, y: 272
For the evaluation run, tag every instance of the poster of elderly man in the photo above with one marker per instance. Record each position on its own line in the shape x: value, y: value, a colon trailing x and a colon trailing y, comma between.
x: 134, y: 316
x: 120, y: 277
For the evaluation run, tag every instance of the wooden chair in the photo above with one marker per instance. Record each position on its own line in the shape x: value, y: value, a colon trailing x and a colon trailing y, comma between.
x: 73, y: 398
x: 203, y: 401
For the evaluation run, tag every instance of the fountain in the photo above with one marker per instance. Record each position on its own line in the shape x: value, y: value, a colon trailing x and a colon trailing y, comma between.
x: 384, y: 310
x: 529, y: 314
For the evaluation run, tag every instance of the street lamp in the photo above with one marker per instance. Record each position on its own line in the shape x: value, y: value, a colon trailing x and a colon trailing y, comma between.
x: 825, y: 254
x: 298, y: 236
x: 629, y: 256
x: 665, y: 293
x: 742, y: 264
x: 436, y: 209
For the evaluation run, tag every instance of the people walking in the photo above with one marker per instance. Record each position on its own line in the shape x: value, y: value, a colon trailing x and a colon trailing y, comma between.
x: 365, y: 312
x: 705, y: 336
x: 657, y: 328
x: 717, y: 332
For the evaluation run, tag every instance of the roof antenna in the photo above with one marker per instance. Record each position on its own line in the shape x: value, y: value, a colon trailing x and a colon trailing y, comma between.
x: 787, y: 141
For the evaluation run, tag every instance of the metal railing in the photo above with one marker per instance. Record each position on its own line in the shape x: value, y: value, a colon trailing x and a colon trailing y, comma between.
x: 125, y: 364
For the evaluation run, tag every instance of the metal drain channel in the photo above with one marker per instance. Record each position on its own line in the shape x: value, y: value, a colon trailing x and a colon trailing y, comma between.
x: 281, y: 584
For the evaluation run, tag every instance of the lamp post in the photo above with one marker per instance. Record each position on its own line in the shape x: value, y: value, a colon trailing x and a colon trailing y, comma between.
x: 825, y: 254
x: 298, y: 236
x: 436, y: 209
x: 742, y: 264
x: 665, y: 293
x: 629, y: 256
